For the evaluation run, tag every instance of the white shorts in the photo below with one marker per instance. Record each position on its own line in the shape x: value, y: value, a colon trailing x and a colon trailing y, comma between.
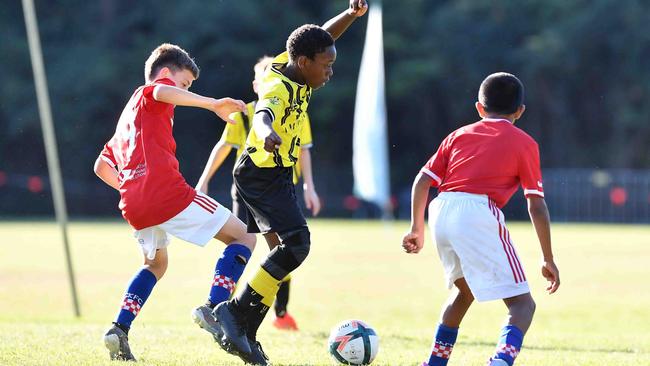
x: 473, y: 242
x: 197, y: 223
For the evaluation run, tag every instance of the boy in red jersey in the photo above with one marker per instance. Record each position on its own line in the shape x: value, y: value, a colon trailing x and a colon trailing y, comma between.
x: 139, y: 161
x: 477, y: 168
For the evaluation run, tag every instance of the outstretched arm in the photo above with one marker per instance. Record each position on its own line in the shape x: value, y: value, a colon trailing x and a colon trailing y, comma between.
x: 217, y: 157
x: 221, y: 107
x: 541, y: 221
x: 312, y: 201
x: 337, y: 25
x: 414, y: 240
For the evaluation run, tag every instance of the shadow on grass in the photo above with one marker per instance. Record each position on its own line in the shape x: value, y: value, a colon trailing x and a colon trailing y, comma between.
x: 492, y: 344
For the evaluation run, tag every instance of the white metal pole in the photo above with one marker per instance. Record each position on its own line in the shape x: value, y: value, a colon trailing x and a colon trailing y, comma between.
x: 47, y: 125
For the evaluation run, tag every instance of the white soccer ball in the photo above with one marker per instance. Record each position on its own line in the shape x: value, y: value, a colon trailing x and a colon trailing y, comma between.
x: 353, y: 342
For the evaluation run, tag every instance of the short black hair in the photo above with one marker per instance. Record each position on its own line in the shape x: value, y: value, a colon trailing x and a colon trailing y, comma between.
x: 171, y: 56
x: 501, y: 93
x: 308, y: 40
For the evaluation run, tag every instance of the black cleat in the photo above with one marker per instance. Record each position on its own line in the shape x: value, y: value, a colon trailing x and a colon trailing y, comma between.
x: 257, y: 355
x: 117, y: 343
x: 234, y: 340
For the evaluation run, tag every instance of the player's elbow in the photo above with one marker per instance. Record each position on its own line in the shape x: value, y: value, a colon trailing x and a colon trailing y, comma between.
x: 158, y: 92
x: 102, y: 169
x: 97, y: 168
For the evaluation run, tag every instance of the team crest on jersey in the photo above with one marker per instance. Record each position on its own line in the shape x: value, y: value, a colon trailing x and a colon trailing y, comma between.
x: 274, y: 100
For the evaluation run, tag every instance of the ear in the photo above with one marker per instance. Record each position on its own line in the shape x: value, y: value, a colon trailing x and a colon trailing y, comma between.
x: 480, y: 109
x: 520, y: 111
x: 302, y: 61
x: 163, y: 73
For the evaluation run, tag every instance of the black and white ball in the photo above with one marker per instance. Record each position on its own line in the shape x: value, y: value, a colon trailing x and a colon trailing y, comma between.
x: 353, y: 342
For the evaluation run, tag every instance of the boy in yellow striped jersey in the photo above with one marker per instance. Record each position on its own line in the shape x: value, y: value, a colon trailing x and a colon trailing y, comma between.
x: 263, y: 175
x: 234, y: 136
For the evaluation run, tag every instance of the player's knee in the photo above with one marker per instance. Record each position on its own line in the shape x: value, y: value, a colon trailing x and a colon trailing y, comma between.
x: 248, y: 240
x: 157, y: 266
x: 532, y: 306
x: 298, y: 243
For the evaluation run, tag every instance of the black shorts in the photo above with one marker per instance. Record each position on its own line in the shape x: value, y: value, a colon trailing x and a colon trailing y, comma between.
x: 270, y: 196
x: 238, y: 205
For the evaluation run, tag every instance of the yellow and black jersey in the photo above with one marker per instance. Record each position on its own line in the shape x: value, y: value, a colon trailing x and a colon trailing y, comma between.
x: 286, y: 101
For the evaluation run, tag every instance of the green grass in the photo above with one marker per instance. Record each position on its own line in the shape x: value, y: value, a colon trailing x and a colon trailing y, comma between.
x: 600, y: 315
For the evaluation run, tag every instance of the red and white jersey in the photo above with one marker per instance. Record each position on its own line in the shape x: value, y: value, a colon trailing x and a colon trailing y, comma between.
x: 491, y: 157
x: 143, y: 150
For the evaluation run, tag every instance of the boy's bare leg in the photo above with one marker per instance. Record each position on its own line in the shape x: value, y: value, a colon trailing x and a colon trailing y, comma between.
x: 158, y: 265
x: 234, y: 231
x: 457, y: 304
x: 520, y: 311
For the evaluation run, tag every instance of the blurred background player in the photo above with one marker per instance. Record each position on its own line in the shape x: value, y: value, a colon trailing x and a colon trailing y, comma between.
x: 477, y: 168
x: 234, y: 136
x: 264, y: 174
x: 139, y: 161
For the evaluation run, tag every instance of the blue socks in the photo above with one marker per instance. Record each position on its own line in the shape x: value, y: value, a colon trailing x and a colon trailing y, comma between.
x: 443, y: 345
x: 509, y: 344
x: 136, y: 294
x: 229, y: 268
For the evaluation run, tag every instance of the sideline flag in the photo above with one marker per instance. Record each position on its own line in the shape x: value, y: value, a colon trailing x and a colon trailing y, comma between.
x: 369, y: 138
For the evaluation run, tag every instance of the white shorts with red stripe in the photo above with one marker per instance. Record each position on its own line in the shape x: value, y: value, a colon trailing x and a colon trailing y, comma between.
x: 197, y: 223
x: 473, y: 242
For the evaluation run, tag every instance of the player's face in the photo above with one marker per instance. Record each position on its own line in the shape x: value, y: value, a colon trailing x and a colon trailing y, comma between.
x: 182, y: 78
x: 318, y: 71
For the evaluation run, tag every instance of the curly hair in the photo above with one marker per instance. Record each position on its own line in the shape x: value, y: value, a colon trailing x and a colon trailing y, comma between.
x: 171, y: 56
x: 501, y: 93
x: 308, y: 40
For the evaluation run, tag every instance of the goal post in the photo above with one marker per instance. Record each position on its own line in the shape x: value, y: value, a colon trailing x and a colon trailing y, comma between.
x: 45, y: 113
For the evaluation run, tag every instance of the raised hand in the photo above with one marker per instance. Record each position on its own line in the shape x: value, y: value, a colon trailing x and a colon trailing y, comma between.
x: 358, y: 7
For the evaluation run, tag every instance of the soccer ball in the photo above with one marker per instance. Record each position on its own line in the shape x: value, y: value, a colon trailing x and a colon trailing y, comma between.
x: 353, y: 342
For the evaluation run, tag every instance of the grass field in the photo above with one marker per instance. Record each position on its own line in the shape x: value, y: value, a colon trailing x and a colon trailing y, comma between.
x: 600, y: 315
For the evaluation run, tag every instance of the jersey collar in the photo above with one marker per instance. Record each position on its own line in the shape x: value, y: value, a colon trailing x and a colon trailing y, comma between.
x: 495, y: 120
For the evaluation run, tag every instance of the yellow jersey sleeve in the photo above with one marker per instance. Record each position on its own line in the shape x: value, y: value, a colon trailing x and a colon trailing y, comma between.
x: 233, y: 134
x: 274, y: 100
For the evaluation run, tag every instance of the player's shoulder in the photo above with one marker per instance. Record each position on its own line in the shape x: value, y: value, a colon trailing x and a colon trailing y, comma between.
x: 523, y: 136
x: 281, y: 59
x: 274, y: 86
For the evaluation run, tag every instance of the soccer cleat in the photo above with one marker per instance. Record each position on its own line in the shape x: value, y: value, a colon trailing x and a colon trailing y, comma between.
x: 257, y: 355
x: 204, y: 318
x: 117, y: 343
x: 285, y: 322
x: 234, y: 330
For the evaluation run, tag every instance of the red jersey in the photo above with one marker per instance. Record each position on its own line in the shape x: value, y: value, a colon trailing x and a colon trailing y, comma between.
x: 143, y: 150
x: 491, y: 157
